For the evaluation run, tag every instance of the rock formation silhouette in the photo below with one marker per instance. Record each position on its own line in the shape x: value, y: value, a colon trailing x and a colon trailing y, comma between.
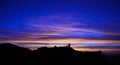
x: 13, y: 54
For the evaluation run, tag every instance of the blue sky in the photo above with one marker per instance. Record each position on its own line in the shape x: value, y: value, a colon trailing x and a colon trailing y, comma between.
x: 61, y: 21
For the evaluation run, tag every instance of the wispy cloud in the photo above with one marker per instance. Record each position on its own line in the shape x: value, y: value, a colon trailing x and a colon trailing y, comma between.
x: 59, y: 28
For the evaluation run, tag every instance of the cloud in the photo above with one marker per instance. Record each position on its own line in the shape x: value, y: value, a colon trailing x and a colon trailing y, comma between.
x: 106, y: 50
x: 65, y: 41
x: 66, y: 26
x: 58, y: 28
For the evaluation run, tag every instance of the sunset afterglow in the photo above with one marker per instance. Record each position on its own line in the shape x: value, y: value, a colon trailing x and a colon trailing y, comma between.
x: 82, y: 23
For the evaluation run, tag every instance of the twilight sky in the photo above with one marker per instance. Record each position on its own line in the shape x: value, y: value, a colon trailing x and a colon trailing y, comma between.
x: 86, y: 23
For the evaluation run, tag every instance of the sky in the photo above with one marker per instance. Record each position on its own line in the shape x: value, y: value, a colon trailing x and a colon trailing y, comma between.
x: 83, y: 23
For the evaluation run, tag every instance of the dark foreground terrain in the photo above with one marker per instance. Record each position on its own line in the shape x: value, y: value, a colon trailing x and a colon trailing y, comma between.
x: 14, y: 55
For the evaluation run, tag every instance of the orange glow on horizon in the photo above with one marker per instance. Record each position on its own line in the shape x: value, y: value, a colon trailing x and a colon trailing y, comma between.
x: 66, y: 41
x: 104, y: 50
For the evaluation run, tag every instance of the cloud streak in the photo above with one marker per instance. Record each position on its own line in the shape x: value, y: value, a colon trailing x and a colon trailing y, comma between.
x: 53, y: 26
x: 60, y: 30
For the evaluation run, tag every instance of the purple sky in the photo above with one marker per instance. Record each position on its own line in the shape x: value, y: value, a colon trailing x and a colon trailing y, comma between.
x: 89, y: 23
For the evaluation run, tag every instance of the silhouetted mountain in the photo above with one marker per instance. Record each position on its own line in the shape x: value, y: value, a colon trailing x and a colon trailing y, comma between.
x: 13, y: 54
